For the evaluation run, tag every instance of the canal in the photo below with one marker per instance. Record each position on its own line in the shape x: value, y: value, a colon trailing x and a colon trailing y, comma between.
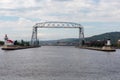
x: 59, y: 63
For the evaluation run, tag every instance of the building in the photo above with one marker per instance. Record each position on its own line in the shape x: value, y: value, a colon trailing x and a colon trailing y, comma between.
x: 7, y: 41
x: 118, y: 42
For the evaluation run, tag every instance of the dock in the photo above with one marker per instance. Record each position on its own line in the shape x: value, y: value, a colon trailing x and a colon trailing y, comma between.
x: 104, y: 48
x: 13, y: 47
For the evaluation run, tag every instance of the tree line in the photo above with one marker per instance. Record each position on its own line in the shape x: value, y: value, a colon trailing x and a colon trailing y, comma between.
x: 20, y: 43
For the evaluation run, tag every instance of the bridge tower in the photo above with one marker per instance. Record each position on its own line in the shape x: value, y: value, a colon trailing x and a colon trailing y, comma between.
x: 81, y: 37
x: 34, y: 39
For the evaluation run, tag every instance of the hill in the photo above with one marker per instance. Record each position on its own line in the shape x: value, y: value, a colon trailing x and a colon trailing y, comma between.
x: 114, y: 36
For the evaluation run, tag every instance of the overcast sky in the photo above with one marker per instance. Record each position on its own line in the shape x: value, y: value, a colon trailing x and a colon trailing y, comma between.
x: 17, y: 17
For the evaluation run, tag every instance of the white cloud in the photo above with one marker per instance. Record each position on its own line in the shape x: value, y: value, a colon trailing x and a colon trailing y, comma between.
x: 79, y: 10
x: 56, y: 10
x: 18, y: 29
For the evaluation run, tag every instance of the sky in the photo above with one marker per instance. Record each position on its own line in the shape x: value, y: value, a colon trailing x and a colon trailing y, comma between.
x: 17, y: 17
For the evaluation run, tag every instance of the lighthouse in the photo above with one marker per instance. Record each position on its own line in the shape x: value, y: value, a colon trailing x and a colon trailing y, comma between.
x: 108, y: 42
x: 7, y: 41
x: 6, y: 38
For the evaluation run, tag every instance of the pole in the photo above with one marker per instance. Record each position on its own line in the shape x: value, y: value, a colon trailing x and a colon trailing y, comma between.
x: 36, y: 42
x: 79, y: 37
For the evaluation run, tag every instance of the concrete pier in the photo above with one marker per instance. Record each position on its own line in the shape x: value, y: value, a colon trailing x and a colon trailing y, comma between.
x: 13, y: 47
x: 107, y: 49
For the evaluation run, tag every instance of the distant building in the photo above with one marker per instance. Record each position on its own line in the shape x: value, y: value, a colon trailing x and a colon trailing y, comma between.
x: 61, y: 43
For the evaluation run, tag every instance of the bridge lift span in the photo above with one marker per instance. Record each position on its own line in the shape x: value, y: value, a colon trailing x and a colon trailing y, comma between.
x: 34, y: 39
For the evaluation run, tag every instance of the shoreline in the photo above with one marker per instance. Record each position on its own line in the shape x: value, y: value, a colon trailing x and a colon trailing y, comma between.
x: 17, y: 47
x: 106, y: 49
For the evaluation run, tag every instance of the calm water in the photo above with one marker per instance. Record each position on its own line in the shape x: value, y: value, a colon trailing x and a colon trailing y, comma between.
x: 59, y: 63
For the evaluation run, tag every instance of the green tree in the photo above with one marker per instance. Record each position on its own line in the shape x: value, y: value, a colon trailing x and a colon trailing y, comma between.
x: 16, y: 42
x: 1, y: 43
x: 22, y: 43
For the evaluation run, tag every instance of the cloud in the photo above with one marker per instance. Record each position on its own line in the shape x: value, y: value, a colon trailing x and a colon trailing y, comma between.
x: 19, y: 29
x: 77, y: 10
x: 62, y: 0
x: 21, y: 15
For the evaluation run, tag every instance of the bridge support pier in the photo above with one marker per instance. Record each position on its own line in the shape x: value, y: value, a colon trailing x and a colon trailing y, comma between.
x: 34, y: 40
x: 81, y: 36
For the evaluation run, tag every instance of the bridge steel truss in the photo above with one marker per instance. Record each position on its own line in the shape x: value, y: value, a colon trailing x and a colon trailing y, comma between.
x: 35, y: 41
